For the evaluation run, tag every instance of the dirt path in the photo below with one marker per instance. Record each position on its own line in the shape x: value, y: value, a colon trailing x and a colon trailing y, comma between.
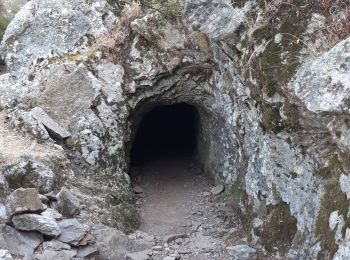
x: 186, y: 220
x: 171, y: 190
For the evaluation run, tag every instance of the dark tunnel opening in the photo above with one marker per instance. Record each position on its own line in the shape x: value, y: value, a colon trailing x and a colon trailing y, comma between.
x: 165, y: 132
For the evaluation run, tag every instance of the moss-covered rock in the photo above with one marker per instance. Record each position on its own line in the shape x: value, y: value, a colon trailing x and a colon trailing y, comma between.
x: 279, y: 229
x: 333, y: 200
x: 3, y: 25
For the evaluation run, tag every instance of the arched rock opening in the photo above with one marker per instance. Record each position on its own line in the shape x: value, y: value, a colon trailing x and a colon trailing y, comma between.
x: 166, y: 131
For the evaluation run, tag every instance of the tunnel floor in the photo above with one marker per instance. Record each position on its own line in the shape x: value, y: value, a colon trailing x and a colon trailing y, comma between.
x: 163, y: 165
x: 172, y: 190
x: 172, y: 193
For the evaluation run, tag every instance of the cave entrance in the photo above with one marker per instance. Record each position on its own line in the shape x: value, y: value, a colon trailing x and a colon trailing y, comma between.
x: 166, y: 132
x: 164, y: 172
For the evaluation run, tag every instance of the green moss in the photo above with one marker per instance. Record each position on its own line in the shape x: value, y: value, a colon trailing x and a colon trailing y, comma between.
x: 238, y: 3
x: 279, y: 230
x: 333, y: 199
x: 124, y: 217
x: 271, y: 119
x: 334, y: 168
x: 242, y: 205
x: 3, y: 25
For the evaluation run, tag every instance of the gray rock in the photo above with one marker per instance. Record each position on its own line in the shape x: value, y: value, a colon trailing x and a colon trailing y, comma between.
x: 218, y: 189
x: 57, y: 255
x: 114, y: 244
x: 52, y: 213
x: 55, y: 245
x: 88, y: 251
x: 30, y: 174
x: 20, y: 243
x: 5, y: 255
x: 218, y: 19
x: 64, y: 28
x: 323, y: 84
x: 11, y: 7
x: 72, y: 231
x: 138, y: 189
x: 169, y: 258
x: 172, y: 238
x: 68, y: 203
x: 142, y: 255
x: 53, y: 128
x: 242, y: 252
x: 3, y: 214
x: 34, y: 222
x: 23, y: 200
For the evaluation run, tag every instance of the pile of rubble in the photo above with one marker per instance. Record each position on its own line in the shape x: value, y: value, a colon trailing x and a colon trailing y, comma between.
x: 44, y: 226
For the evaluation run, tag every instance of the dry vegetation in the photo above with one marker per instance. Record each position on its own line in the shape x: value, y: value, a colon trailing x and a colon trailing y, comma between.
x: 338, y: 25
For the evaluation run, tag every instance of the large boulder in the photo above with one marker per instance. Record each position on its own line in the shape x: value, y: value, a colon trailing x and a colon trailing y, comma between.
x: 72, y: 231
x: 23, y: 200
x: 66, y: 22
x: 68, y: 203
x: 30, y: 174
x: 20, y: 243
x: 323, y: 84
x: 33, y: 222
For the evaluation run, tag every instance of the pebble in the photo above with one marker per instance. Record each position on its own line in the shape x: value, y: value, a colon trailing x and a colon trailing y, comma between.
x: 217, y: 189
x: 137, y: 189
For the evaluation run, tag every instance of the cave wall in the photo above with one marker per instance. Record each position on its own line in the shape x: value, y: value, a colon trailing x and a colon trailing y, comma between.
x: 273, y: 104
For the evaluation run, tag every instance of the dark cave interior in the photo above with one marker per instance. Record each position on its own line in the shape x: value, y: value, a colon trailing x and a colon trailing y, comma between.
x: 167, y: 131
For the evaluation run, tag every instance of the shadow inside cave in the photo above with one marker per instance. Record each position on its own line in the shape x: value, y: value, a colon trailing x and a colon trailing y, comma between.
x: 164, y: 133
x: 163, y: 167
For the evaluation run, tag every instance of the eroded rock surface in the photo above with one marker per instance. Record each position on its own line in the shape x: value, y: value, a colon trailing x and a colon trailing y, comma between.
x: 271, y: 86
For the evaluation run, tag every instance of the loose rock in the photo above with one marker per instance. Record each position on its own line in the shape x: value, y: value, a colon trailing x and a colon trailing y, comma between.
x: 142, y: 255
x: 218, y: 189
x: 20, y: 243
x: 72, y: 232
x: 138, y: 189
x: 68, y: 203
x: 242, y: 252
x: 34, y: 222
x: 52, y: 213
x: 5, y: 255
x: 23, y: 200
x: 55, y: 245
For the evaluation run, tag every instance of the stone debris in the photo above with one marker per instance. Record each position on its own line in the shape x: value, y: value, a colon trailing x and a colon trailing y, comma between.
x: 218, y: 189
x: 53, y: 127
x: 33, y: 222
x: 142, y: 255
x: 138, y: 189
x: 55, y: 245
x: 68, y: 203
x: 20, y: 243
x: 72, y: 231
x: 51, y: 213
x: 59, y: 255
x: 242, y: 252
x: 5, y: 255
x: 88, y: 251
x: 23, y: 200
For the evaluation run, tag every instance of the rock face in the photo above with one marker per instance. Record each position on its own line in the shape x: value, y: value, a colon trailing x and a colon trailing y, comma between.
x: 273, y: 114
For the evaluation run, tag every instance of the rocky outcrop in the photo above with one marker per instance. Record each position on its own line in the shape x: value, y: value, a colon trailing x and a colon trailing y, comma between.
x: 273, y: 110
